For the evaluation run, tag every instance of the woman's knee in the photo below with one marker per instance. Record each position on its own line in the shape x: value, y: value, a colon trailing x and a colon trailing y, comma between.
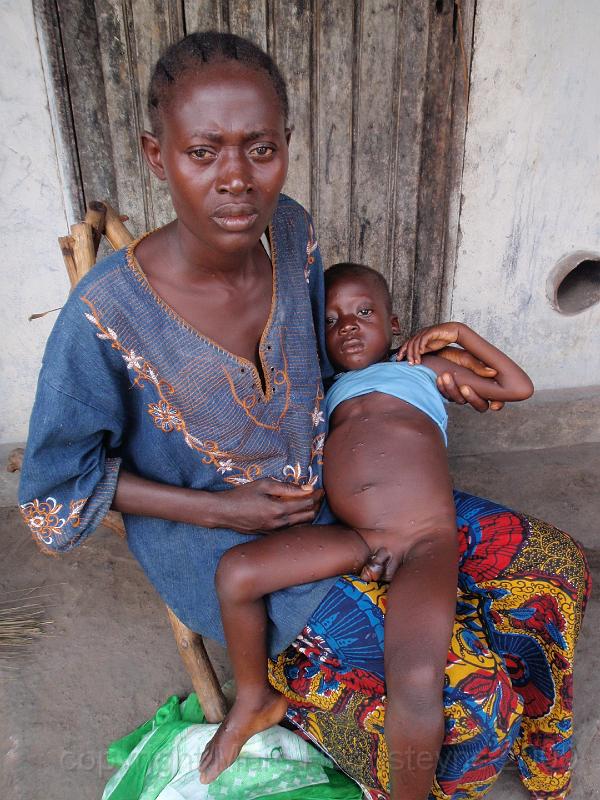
x: 488, y: 701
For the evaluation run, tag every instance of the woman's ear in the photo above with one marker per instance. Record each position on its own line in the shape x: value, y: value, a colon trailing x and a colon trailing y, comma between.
x: 151, y: 148
x: 395, y: 326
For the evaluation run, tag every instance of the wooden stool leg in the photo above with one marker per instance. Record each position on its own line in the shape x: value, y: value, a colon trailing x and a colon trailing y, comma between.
x: 197, y: 663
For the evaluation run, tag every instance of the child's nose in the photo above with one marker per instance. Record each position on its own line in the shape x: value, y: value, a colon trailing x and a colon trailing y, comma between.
x: 234, y: 174
x: 348, y: 324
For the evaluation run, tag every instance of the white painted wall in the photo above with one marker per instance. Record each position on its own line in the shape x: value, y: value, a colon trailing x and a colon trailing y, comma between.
x: 32, y: 215
x: 531, y: 182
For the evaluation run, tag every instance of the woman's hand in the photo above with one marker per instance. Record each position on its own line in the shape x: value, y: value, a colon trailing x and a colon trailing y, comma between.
x: 263, y: 505
x: 266, y: 505
x: 437, y: 338
x: 464, y: 393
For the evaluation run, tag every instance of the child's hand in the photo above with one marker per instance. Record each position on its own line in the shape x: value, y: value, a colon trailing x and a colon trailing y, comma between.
x: 429, y: 340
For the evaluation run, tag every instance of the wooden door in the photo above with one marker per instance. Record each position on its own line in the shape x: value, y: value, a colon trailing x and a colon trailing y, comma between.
x: 378, y: 92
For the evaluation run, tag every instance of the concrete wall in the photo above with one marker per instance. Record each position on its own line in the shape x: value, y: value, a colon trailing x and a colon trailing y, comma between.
x: 32, y: 215
x: 531, y: 183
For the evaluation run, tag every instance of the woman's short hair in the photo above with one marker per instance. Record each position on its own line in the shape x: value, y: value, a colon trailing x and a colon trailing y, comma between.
x: 208, y: 47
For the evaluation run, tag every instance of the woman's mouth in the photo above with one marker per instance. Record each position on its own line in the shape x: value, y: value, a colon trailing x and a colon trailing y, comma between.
x: 235, y: 217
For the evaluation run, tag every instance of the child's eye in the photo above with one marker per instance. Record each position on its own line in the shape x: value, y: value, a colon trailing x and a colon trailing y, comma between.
x: 262, y: 150
x: 329, y: 321
x: 201, y: 154
x: 365, y: 312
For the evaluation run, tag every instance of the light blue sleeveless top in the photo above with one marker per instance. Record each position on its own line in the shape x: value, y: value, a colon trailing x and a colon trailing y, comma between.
x: 414, y: 384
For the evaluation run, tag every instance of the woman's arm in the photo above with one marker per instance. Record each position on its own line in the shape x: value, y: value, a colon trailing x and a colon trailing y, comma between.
x: 510, y: 382
x: 262, y: 505
x: 71, y: 476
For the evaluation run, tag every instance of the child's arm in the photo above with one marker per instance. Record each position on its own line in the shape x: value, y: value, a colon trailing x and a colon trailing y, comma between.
x: 510, y: 382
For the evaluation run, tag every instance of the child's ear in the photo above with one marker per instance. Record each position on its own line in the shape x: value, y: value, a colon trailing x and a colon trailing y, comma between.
x: 151, y: 148
x: 395, y: 326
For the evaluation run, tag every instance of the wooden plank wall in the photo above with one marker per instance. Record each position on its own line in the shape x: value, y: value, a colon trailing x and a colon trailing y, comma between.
x: 378, y: 105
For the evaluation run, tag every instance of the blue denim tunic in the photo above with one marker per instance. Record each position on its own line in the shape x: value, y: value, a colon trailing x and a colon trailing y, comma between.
x: 126, y: 381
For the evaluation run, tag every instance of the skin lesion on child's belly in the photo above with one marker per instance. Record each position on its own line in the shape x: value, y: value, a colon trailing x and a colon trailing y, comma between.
x: 378, y: 428
x: 383, y: 460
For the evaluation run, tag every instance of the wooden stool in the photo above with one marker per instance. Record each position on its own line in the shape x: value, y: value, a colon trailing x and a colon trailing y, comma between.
x: 79, y: 251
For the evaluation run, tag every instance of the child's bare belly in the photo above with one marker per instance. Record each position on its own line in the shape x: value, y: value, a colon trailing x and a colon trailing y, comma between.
x: 385, y: 468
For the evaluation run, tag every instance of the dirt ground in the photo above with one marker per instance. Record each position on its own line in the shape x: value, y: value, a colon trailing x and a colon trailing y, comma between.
x: 109, y: 659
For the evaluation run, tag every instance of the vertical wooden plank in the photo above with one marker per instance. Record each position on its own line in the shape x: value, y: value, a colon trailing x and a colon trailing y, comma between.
x: 404, y: 190
x: 204, y: 15
x: 292, y: 50
x: 460, y: 101
x: 435, y: 160
x: 88, y: 98
x: 374, y: 133
x: 151, y: 25
x: 377, y: 100
x: 123, y: 120
x: 248, y: 18
x: 332, y: 148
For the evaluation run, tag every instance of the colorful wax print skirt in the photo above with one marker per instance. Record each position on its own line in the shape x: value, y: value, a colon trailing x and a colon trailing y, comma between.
x: 522, y: 591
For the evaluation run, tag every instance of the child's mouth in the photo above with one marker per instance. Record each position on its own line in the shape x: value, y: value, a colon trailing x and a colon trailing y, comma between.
x: 351, y: 346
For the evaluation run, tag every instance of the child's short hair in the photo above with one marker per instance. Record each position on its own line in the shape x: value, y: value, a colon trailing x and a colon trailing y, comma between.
x: 347, y: 269
x: 208, y: 47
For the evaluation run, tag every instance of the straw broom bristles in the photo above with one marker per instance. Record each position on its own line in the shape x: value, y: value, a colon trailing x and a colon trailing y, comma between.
x: 22, y: 620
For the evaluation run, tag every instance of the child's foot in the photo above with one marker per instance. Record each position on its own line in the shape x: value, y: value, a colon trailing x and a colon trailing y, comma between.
x: 244, y: 720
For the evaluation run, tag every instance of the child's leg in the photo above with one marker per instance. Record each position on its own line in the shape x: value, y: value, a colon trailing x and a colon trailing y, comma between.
x: 246, y: 574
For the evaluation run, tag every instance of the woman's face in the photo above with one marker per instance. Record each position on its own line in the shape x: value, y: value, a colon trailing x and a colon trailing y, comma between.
x: 223, y: 150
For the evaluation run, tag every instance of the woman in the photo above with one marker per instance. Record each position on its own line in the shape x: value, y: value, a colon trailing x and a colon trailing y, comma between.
x: 189, y: 364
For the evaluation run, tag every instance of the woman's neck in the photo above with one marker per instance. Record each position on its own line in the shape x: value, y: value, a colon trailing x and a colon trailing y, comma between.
x: 193, y: 259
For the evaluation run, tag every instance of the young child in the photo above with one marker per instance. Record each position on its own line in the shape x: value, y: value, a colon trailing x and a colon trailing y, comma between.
x: 386, y: 477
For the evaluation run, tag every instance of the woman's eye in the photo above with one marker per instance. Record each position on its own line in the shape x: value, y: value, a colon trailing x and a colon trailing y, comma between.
x: 262, y: 150
x: 201, y: 154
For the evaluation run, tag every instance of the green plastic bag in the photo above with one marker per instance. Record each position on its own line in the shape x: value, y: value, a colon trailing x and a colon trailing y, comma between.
x: 159, y: 761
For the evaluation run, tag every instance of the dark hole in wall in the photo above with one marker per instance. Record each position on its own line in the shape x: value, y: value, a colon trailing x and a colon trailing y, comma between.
x: 580, y: 288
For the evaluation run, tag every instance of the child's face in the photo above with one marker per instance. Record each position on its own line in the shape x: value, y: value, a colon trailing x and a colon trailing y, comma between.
x: 223, y: 150
x: 358, y: 324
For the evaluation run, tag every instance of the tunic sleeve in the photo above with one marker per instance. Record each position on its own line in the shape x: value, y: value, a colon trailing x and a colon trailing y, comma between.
x: 71, y: 462
x: 315, y: 279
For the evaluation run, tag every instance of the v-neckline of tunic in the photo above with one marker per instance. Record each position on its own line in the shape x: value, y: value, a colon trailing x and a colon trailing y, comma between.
x: 262, y: 384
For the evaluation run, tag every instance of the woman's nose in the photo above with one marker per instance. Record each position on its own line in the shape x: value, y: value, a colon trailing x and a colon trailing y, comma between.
x: 234, y: 175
